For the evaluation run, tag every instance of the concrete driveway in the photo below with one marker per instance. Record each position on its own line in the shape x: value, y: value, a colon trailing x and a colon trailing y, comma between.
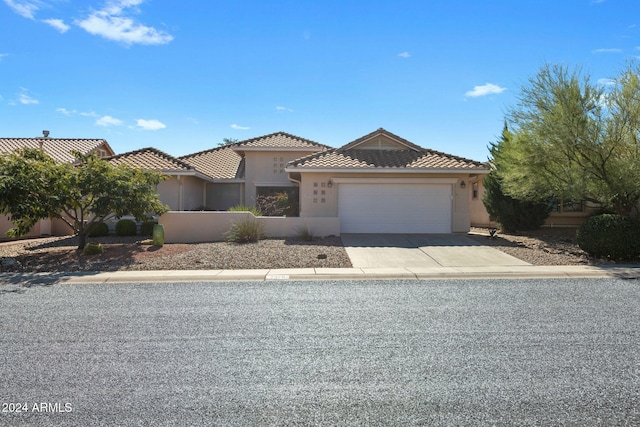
x: 422, y: 250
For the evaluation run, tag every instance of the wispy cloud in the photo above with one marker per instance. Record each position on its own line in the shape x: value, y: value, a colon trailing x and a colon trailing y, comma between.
x: 66, y: 112
x: 238, y: 127
x: 486, y: 89
x: 606, y: 82
x: 113, y: 23
x: 404, y: 55
x: 3, y: 55
x: 607, y: 50
x: 281, y: 108
x: 25, y: 99
x: 150, y: 124
x: 106, y: 121
x: 26, y: 8
x: 74, y: 112
x: 58, y: 24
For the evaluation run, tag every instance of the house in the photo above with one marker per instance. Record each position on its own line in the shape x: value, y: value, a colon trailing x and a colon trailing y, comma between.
x: 61, y: 150
x: 382, y: 183
x: 226, y: 176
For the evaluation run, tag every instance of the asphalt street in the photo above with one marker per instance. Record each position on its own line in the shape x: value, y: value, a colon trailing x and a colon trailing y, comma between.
x: 484, y: 352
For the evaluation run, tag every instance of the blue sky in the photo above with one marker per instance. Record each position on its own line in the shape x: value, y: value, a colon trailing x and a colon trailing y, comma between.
x: 182, y: 75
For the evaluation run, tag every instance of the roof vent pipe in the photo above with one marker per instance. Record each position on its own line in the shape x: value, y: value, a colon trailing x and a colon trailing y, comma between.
x: 45, y: 133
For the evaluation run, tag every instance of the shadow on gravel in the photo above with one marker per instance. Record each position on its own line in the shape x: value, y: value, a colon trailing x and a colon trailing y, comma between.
x: 18, y: 283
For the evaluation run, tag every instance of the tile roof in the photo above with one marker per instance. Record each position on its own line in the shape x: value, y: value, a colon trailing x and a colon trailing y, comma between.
x: 58, y: 148
x: 150, y: 158
x: 413, y: 157
x: 279, y: 140
x: 218, y: 163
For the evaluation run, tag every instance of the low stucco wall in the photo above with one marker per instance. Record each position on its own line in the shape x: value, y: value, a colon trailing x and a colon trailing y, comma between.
x: 192, y: 227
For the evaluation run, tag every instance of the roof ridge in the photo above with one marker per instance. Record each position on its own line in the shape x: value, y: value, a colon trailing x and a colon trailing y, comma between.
x: 157, y: 151
x: 209, y: 150
x: 290, y: 135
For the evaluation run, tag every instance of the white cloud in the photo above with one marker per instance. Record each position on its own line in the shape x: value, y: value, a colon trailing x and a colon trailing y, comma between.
x: 24, y: 8
x: 65, y: 111
x: 106, y: 121
x: 150, y: 124
x: 58, y: 24
x: 112, y: 23
x: 404, y: 55
x: 27, y: 100
x: 281, y: 108
x: 486, y: 89
x: 2, y: 55
x: 610, y: 50
x: 606, y: 82
x: 238, y: 127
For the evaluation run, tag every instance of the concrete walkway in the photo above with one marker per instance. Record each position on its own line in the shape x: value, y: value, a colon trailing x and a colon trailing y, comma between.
x: 422, y: 250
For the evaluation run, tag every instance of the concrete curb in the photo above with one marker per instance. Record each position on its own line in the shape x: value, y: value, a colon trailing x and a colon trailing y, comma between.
x: 406, y: 273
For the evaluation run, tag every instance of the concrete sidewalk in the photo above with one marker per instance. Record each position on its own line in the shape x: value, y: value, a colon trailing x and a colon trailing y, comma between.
x: 401, y: 273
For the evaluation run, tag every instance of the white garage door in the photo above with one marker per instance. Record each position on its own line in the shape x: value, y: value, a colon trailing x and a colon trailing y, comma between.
x: 394, y: 208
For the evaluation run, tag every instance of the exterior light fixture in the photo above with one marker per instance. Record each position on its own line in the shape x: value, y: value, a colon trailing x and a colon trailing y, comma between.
x: 330, y: 184
x: 463, y: 184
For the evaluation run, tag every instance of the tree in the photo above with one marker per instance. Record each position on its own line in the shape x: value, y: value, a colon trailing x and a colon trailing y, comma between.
x: 576, y: 140
x: 33, y: 187
x: 512, y: 214
x: 227, y: 141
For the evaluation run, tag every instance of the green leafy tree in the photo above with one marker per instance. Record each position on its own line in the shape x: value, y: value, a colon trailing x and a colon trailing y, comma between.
x: 576, y: 140
x: 512, y: 214
x: 33, y: 187
x: 227, y: 141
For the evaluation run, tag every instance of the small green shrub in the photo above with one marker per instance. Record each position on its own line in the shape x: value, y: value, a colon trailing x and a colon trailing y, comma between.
x: 99, y: 229
x: 304, y: 233
x: 126, y: 227
x: 146, y: 228
x: 610, y: 236
x: 245, y: 231
x: 243, y: 208
x: 93, y: 248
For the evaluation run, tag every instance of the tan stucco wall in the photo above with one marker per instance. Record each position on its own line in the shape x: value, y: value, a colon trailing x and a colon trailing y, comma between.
x: 319, y: 182
x: 266, y: 168
x: 479, y: 214
x: 192, y: 227
x: 190, y: 188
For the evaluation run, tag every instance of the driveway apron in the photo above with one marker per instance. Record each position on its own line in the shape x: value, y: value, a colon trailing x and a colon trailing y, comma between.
x: 422, y: 250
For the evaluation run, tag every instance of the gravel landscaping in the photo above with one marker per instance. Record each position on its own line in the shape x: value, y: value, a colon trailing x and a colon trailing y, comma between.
x: 548, y: 246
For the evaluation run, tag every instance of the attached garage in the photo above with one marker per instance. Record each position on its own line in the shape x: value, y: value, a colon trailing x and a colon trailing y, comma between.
x: 395, y: 208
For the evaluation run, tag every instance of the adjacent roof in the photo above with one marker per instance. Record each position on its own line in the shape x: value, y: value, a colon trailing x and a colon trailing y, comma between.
x: 151, y: 158
x: 405, y: 155
x: 218, y: 163
x: 279, y: 140
x: 227, y: 162
x: 59, y: 148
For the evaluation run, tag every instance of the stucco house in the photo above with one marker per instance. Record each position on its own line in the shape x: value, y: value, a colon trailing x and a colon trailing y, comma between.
x: 61, y: 150
x: 382, y: 183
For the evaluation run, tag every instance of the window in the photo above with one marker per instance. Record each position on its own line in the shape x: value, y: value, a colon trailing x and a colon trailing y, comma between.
x: 474, y: 191
x: 561, y: 206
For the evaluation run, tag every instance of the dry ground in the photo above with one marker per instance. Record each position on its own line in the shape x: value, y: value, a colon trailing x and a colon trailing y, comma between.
x: 549, y: 246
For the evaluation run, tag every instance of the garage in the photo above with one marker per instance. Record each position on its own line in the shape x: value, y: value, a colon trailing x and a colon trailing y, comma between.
x: 395, y: 208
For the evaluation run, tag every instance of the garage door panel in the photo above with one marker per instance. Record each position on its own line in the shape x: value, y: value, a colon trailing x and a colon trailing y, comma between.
x: 395, y: 208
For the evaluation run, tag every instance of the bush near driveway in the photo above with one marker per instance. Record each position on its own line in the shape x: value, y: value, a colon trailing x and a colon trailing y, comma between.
x: 610, y: 236
x: 126, y: 227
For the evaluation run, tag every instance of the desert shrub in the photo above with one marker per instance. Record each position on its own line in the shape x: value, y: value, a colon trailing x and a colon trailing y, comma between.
x: 512, y: 214
x: 126, y: 227
x: 99, y: 229
x: 305, y: 233
x: 243, y: 208
x: 610, y: 236
x: 93, y: 248
x: 245, y: 231
x: 146, y: 228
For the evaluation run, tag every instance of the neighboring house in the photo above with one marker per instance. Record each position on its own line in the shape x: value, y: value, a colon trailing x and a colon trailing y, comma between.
x: 563, y: 213
x: 61, y: 150
x: 382, y: 183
